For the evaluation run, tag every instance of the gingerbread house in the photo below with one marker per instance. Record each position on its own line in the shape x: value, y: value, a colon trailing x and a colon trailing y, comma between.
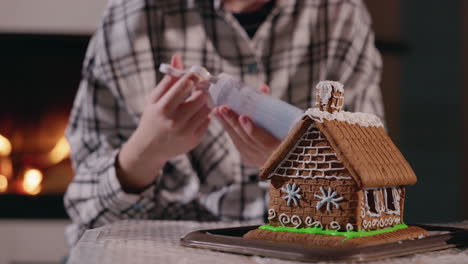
x: 337, y: 171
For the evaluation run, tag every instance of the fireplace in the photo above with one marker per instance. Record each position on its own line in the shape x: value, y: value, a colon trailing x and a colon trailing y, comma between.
x: 39, y: 78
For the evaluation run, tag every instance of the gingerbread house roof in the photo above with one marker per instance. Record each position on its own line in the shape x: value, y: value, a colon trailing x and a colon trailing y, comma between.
x: 359, y: 141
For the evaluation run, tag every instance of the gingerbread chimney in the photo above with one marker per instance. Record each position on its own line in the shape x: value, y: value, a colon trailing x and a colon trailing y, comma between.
x: 330, y: 96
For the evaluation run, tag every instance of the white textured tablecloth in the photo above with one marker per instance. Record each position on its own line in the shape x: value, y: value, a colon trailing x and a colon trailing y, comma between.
x: 158, y: 242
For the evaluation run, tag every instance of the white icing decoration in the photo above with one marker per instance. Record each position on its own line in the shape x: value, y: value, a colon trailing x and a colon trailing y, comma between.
x: 271, y: 214
x: 335, y: 225
x: 284, y: 219
x: 331, y: 177
x: 363, y: 211
x: 304, y: 159
x: 362, y: 119
x: 316, y: 177
x: 317, y: 223
x: 296, y: 221
x: 389, y: 221
x: 337, y: 85
x: 328, y: 199
x: 366, y: 224
x: 310, y: 222
x: 325, y: 88
x: 292, y: 194
x: 396, y: 200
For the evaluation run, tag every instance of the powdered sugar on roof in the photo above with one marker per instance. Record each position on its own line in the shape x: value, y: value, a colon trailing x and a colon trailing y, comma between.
x: 362, y: 119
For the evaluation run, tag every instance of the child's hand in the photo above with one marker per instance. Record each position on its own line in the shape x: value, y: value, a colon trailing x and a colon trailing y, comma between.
x: 173, y: 123
x: 254, y: 144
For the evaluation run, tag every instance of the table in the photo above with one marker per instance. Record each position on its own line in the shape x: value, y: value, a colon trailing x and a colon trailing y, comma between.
x: 134, y: 241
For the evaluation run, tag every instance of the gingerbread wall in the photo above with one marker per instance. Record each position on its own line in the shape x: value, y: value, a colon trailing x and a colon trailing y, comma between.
x: 313, y: 167
x: 307, y: 206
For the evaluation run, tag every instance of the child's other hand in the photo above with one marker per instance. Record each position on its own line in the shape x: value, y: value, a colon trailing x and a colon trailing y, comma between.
x: 173, y: 123
x: 254, y: 144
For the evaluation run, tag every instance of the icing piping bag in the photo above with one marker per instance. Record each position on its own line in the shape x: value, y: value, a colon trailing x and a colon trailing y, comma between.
x: 275, y: 116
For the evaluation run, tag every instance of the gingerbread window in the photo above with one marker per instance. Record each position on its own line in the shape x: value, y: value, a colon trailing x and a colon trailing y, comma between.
x: 372, y: 202
x: 392, y: 200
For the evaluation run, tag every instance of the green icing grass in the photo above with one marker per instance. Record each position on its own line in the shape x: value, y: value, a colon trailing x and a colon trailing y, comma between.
x: 319, y: 231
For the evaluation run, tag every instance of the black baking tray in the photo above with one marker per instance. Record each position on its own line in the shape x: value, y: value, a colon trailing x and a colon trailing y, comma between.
x: 231, y: 240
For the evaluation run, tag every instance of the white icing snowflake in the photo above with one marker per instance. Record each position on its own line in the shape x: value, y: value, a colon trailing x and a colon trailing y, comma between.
x: 292, y: 194
x: 328, y: 198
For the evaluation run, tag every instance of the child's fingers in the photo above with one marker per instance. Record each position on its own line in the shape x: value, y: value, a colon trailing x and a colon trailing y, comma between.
x: 178, y: 92
x: 257, y: 134
x: 193, y: 119
x: 233, y: 120
x: 265, y: 89
x: 163, y: 86
x: 241, y: 145
x: 201, y: 129
x: 191, y: 106
x: 188, y: 108
x: 176, y: 62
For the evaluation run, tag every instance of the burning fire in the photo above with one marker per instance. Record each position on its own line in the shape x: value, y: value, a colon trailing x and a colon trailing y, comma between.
x: 5, y: 146
x: 6, y: 166
x: 3, y: 183
x: 32, y: 181
x: 60, y: 151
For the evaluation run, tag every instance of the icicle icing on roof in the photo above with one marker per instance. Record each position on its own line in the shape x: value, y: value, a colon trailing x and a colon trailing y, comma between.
x: 362, y: 119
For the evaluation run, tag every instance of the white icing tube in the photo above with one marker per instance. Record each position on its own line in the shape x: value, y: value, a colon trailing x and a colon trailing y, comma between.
x: 273, y: 115
x: 169, y: 70
x: 200, y: 71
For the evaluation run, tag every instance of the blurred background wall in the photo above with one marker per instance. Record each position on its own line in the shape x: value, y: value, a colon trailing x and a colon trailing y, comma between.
x: 464, y: 98
x: 50, y: 16
x: 423, y: 49
x: 431, y: 123
x: 424, y: 84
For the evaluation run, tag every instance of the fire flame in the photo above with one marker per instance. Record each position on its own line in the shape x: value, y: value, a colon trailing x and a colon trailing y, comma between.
x: 6, y: 167
x: 3, y: 183
x: 32, y: 181
x: 32, y: 178
x: 5, y: 146
x: 60, y: 151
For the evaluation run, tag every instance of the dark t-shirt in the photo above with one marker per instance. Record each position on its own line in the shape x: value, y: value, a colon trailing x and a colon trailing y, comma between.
x: 251, y: 21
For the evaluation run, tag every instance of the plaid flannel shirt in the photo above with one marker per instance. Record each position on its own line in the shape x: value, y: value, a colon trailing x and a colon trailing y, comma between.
x: 300, y: 43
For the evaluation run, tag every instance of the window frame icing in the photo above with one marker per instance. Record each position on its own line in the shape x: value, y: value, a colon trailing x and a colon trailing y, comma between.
x: 376, y: 203
x: 396, y: 200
